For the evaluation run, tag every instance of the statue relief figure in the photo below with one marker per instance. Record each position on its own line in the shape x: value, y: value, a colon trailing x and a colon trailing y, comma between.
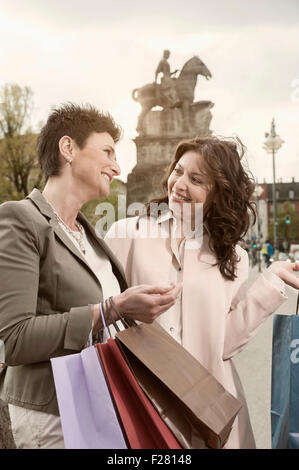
x: 167, y: 88
x: 164, y: 66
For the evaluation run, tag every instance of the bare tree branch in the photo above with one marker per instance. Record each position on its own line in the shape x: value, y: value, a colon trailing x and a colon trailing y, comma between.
x: 18, y: 161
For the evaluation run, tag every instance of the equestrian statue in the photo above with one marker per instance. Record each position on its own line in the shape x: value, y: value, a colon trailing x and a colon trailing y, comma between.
x: 171, y: 92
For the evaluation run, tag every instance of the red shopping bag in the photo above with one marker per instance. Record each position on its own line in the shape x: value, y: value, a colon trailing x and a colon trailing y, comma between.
x: 142, y: 424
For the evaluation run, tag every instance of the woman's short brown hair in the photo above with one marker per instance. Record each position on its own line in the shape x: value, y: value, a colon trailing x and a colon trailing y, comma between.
x: 75, y: 121
x: 229, y: 207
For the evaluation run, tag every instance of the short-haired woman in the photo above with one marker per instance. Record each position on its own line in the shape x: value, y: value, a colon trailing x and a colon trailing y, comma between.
x: 54, y: 270
x: 214, y: 317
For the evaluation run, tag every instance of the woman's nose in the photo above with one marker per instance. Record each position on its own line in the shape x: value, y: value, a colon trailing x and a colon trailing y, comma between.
x: 181, y: 182
x: 116, y: 168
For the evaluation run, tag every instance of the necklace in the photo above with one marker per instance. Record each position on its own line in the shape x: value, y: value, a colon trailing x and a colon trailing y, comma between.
x: 78, y: 236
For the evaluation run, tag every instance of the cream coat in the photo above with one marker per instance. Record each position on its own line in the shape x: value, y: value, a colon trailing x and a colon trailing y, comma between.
x: 218, y: 316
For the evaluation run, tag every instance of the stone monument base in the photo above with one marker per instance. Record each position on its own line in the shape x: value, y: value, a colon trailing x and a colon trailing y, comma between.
x: 163, y: 130
x: 145, y: 181
x: 174, y: 122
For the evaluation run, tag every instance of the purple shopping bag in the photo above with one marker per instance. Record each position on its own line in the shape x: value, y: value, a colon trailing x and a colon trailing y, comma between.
x: 87, y: 413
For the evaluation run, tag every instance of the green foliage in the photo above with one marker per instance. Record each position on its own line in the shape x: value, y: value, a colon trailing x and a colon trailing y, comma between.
x: 89, y: 208
x: 285, y: 231
x: 19, y: 169
x: 16, y: 105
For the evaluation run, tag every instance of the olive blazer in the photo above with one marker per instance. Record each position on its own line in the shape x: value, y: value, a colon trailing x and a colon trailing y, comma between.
x: 46, y: 292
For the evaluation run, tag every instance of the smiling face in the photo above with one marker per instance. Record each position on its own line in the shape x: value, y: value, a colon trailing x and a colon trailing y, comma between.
x: 95, y: 165
x: 188, y: 183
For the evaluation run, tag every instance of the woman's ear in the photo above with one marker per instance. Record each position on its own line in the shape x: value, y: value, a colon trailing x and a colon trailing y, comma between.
x: 66, y: 148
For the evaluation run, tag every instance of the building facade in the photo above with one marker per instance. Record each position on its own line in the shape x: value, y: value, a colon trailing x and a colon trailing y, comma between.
x: 287, y: 207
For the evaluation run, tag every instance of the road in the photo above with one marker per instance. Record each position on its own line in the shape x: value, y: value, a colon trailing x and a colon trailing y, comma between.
x: 254, y: 367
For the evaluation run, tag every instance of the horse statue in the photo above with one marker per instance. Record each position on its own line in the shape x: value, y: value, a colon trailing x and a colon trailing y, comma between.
x: 178, y: 93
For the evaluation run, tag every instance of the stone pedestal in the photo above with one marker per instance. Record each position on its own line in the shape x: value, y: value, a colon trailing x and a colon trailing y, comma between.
x: 154, y: 155
x: 163, y: 130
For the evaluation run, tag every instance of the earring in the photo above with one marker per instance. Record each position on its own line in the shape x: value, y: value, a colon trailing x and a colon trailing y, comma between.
x: 69, y: 160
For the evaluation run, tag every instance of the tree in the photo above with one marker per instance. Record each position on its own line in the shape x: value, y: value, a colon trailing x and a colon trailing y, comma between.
x: 288, y: 232
x: 19, y: 169
x: 117, y: 188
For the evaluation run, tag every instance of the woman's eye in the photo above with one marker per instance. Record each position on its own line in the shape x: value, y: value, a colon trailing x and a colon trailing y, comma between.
x: 109, y: 153
x: 177, y: 170
x: 195, y: 180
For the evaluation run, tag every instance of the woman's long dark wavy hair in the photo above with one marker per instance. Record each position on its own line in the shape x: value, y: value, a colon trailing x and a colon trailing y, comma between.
x: 228, y: 206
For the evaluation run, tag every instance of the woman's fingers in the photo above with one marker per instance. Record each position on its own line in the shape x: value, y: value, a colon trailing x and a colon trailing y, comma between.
x: 164, y: 298
x: 148, y: 310
x: 148, y: 317
x: 295, y: 265
x: 145, y: 303
x: 169, y: 297
x: 291, y: 280
x: 289, y: 277
x: 164, y: 308
x: 159, y: 290
x: 286, y: 273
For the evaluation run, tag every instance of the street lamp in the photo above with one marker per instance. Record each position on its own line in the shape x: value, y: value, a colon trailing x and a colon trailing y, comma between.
x: 257, y: 194
x: 272, y: 145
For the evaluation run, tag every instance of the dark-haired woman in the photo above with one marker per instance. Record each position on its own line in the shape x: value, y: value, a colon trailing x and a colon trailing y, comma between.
x: 54, y: 270
x: 214, y: 317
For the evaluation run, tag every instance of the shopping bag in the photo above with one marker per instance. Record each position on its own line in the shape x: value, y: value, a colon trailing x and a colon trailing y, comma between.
x: 88, y: 416
x: 285, y: 382
x: 194, y: 405
x: 143, y: 425
x: 181, y: 423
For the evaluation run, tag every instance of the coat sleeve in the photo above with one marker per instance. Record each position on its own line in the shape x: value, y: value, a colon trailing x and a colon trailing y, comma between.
x: 26, y: 337
x: 249, y: 307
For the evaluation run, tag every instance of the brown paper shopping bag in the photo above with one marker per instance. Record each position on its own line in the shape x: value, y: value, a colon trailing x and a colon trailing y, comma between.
x: 194, y: 405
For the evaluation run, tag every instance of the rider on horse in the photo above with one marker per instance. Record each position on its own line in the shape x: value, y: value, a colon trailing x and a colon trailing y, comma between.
x: 167, y: 87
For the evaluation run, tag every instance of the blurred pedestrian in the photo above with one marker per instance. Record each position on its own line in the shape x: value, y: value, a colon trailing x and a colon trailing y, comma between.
x: 270, y: 253
x: 266, y: 253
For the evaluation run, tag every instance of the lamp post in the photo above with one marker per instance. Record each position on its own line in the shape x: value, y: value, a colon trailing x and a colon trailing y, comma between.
x: 257, y: 194
x: 272, y: 145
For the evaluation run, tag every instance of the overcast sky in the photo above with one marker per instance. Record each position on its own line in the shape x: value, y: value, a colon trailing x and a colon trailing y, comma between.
x: 98, y: 51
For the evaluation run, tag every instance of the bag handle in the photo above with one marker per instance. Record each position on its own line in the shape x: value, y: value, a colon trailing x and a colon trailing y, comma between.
x: 126, y: 322
x: 297, y: 308
x: 108, y: 309
x: 105, y: 327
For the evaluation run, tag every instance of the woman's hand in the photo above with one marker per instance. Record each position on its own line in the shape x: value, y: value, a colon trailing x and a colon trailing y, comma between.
x: 145, y: 303
x: 285, y: 270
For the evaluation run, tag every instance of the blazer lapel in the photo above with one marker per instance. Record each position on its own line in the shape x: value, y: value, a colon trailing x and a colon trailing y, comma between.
x: 39, y: 201
x: 100, y: 243
x: 66, y: 240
